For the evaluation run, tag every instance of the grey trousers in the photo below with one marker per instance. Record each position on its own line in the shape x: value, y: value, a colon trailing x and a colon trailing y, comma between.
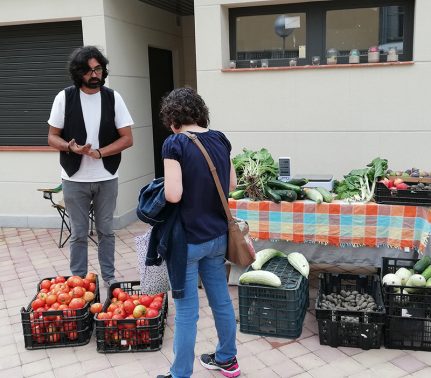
x: 77, y: 198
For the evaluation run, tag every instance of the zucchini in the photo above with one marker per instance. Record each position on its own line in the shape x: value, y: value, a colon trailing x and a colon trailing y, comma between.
x: 265, y: 255
x: 422, y: 264
x: 241, y: 187
x: 275, y: 184
x: 237, y: 194
x: 327, y: 196
x: 287, y: 195
x: 297, y: 181
x: 260, y: 277
x: 299, y: 262
x: 273, y: 195
x: 313, y: 194
x: 427, y: 273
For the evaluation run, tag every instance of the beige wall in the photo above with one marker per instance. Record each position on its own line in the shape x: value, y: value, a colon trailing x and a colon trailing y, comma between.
x: 123, y: 30
x: 326, y: 120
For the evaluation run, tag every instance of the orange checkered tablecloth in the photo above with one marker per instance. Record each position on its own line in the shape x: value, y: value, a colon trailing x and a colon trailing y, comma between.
x: 337, y: 223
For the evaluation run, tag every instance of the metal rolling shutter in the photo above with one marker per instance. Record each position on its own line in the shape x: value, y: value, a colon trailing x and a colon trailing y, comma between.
x: 33, y: 69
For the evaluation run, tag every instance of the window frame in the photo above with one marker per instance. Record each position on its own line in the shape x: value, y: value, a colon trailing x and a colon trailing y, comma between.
x: 316, y: 26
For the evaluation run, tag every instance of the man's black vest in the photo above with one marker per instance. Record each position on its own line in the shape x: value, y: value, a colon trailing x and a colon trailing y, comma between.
x: 74, y: 128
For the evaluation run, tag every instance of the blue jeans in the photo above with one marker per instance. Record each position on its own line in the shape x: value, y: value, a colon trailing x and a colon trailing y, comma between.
x: 77, y: 198
x: 207, y: 259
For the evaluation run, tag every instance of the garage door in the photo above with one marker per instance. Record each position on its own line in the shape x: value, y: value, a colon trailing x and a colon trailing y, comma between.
x: 33, y: 69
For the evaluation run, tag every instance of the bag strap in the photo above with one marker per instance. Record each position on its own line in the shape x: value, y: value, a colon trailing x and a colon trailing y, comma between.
x: 213, y: 170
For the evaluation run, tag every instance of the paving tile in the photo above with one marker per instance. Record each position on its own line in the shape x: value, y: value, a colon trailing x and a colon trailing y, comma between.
x: 107, y: 373
x: 9, y: 362
x: 408, y: 363
x: 287, y: 368
x: 311, y: 343
x: 388, y: 370
x: 95, y: 364
x: 377, y: 356
x: 71, y: 371
x: 329, y: 354
x: 309, y: 361
x: 36, y: 367
x: 16, y: 372
x: 326, y: 371
x: 130, y: 369
x: 294, y: 350
x: 424, y: 373
x: 346, y: 365
x: 250, y: 364
x: 271, y: 357
x: 257, y: 346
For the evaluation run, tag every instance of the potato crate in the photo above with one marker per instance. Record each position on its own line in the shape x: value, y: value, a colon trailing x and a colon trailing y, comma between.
x: 270, y: 311
x: 60, y: 328
x: 350, y: 328
x: 130, y: 335
x: 407, y: 197
x: 396, y: 299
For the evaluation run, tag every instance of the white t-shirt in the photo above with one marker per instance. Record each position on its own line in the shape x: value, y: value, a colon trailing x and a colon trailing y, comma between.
x: 90, y: 170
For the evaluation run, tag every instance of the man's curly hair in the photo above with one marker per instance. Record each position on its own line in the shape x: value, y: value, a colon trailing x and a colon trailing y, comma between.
x: 183, y: 106
x: 78, y: 63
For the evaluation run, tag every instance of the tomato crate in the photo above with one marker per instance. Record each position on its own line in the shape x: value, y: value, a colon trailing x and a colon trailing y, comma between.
x: 271, y: 311
x: 407, y: 197
x: 397, y: 299
x: 411, y: 331
x: 348, y: 327
x: 142, y: 334
x: 57, y: 328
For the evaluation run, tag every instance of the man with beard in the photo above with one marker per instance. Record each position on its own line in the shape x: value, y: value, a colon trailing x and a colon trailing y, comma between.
x: 90, y: 126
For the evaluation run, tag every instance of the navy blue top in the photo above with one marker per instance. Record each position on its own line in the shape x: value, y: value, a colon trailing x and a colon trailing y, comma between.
x: 201, y: 210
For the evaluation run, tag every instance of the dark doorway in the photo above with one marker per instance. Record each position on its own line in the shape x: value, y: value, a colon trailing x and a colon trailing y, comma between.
x: 161, y: 83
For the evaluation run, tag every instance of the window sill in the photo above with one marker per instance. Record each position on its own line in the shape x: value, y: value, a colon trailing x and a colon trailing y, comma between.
x: 323, y: 66
x: 28, y: 148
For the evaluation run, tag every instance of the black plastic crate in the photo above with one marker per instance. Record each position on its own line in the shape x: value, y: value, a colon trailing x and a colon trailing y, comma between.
x: 130, y: 335
x: 55, y: 329
x: 277, y: 312
x: 394, y: 297
x: 408, y: 197
x: 356, y: 328
x: 404, y: 332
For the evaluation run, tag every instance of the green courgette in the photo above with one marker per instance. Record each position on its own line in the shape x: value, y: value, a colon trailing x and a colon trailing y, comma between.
x: 297, y: 181
x: 273, y: 195
x: 286, y: 195
x: 422, y: 264
x: 327, y: 196
x: 237, y: 194
x: 260, y: 277
x: 427, y: 273
x: 275, y: 184
x: 313, y: 194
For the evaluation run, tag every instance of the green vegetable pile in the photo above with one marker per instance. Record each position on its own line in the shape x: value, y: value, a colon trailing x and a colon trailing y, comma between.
x: 359, y: 184
x: 254, y: 169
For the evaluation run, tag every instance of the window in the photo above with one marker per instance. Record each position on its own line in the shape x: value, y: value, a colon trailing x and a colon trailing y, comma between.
x: 281, y: 33
x: 33, y: 69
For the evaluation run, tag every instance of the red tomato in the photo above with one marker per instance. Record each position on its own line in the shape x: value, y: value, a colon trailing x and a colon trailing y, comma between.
x: 91, y: 277
x: 86, y: 284
x: 45, y: 284
x: 96, y: 308
x: 151, y: 313
x: 92, y: 287
x: 116, y: 291
x: 73, y: 335
x: 145, y: 300
x: 51, y: 299
x: 88, y: 296
x: 59, y: 279
x: 78, y: 292
x: 74, y: 281
x: 77, y: 303
x: 157, y: 305
x: 37, y: 303
x: 123, y: 296
x: 129, y: 306
x: 64, y: 298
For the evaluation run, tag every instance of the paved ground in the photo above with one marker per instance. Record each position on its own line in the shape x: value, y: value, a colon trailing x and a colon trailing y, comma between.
x: 28, y: 255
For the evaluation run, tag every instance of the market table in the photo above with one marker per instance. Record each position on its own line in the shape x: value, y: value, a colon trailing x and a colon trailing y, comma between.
x: 364, y: 232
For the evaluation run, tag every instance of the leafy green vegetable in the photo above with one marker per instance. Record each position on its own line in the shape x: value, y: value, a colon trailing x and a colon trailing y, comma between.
x: 359, y: 184
x: 254, y: 169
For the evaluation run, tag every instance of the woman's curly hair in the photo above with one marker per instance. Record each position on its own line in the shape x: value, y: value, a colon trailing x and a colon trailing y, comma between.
x: 78, y: 63
x: 183, y: 106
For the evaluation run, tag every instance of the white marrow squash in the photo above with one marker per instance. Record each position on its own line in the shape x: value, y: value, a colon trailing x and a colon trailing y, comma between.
x: 299, y: 262
x: 265, y: 255
x: 260, y: 277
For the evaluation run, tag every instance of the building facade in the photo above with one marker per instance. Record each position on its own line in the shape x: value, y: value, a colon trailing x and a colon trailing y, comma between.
x: 328, y: 118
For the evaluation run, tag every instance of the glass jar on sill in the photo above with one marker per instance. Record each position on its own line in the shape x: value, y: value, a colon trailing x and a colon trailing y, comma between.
x: 331, y: 56
x: 354, y: 56
x: 392, y: 54
x: 373, y: 54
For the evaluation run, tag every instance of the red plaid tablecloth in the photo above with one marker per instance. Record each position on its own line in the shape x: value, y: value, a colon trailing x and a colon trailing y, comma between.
x: 337, y: 223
